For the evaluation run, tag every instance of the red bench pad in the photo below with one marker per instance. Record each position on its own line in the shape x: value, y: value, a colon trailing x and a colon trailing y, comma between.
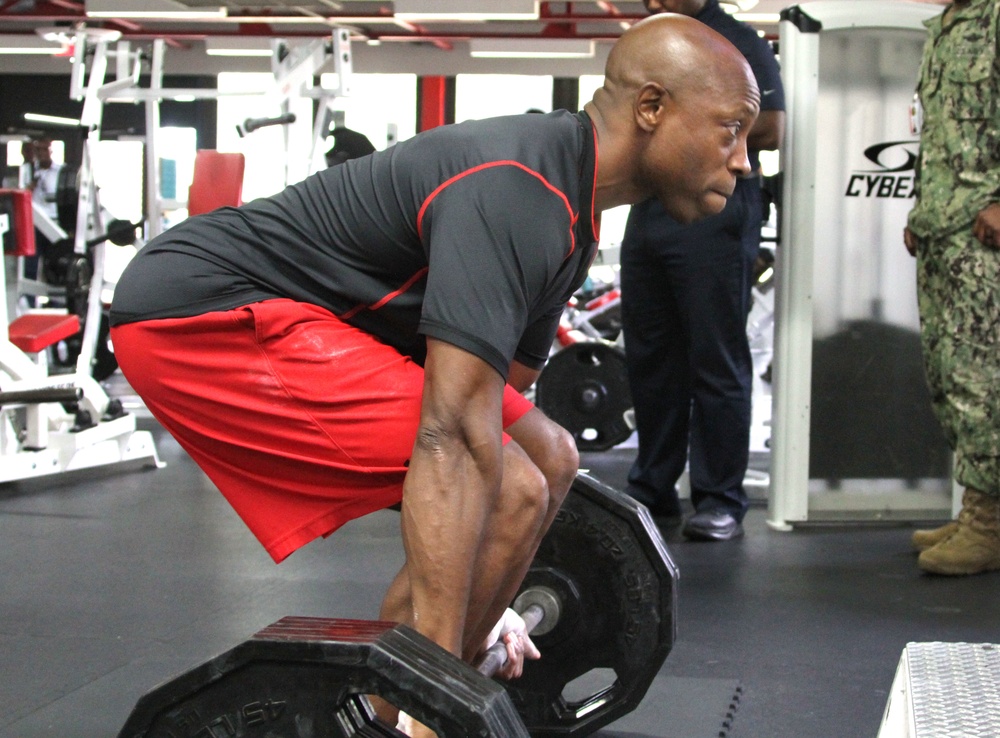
x: 33, y: 332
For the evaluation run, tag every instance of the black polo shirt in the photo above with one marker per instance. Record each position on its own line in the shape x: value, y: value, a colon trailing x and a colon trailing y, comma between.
x: 476, y: 234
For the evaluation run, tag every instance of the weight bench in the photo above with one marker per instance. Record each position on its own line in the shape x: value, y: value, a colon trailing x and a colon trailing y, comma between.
x: 36, y: 330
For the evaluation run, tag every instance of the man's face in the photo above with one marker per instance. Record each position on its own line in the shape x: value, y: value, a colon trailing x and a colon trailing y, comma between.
x: 684, y: 7
x: 43, y: 153
x: 693, y: 158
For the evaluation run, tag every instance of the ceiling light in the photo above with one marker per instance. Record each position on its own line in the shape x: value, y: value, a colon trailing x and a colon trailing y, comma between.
x: 759, y: 17
x: 149, y: 9
x: 540, y: 48
x: 238, y: 46
x: 466, y: 10
x: 28, y: 45
x: 56, y: 34
x: 51, y: 119
x: 738, y: 6
x: 66, y: 35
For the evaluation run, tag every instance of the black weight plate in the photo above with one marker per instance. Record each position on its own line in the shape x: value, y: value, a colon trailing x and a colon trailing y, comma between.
x: 306, y: 677
x: 606, y: 560
x: 104, y: 363
x: 584, y: 388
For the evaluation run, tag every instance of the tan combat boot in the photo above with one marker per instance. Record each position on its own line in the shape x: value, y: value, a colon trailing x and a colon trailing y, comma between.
x: 924, y: 539
x: 975, y: 546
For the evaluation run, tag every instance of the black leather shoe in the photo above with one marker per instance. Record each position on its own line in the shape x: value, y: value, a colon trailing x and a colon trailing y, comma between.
x: 712, y: 525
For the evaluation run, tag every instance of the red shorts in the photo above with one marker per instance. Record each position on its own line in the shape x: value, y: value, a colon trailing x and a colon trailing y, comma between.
x: 301, y: 420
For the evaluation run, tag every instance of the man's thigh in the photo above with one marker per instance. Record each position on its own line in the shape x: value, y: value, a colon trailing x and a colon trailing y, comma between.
x: 302, y: 421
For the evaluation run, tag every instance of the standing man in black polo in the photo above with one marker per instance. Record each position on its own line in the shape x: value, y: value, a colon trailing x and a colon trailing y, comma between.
x: 685, y: 299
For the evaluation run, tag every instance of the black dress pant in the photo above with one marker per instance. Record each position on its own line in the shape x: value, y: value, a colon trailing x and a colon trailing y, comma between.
x: 685, y: 301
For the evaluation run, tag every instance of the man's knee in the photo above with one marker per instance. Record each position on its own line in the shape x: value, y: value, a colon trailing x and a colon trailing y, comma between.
x: 562, y: 464
x: 551, y: 449
x: 524, y: 495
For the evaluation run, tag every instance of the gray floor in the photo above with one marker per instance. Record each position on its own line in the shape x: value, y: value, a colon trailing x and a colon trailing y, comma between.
x: 117, y: 580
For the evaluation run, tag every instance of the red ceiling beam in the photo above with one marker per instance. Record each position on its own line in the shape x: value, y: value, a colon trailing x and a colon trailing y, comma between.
x: 421, y: 32
x: 608, y: 8
x: 68, y: 4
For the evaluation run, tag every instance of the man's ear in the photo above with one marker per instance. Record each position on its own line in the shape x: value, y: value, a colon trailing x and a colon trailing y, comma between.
x: 650, y: 105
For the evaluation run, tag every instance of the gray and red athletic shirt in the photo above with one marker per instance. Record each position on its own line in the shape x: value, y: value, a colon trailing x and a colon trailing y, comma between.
x: 476, y: 234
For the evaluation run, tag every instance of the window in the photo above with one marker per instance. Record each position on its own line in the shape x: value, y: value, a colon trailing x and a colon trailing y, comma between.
x: 489, y: 95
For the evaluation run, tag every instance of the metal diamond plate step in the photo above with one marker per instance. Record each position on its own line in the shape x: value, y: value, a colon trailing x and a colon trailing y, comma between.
x: 945, y: 690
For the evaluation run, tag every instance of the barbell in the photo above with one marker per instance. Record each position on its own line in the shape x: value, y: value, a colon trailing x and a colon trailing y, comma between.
x: 600, y: 597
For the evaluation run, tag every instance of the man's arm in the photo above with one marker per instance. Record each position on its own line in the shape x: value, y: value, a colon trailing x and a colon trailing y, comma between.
x: 454, y: 477
x: 768, y: 131
x: 520, y: 376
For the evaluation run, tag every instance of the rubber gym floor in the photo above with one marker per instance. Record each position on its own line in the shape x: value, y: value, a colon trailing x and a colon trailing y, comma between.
x: 119, y: 579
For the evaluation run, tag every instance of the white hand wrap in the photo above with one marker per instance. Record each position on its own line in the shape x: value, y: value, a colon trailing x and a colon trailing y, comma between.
x: 510, y: 622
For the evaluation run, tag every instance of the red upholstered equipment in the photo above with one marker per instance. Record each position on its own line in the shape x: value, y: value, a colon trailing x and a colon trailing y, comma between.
x: 217, y: 181
x: 20, y: 237
x: 33, y: 332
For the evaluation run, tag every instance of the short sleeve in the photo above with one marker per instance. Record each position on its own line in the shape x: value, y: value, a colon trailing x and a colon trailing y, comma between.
x: 496, y: 239
x: 536, y: 343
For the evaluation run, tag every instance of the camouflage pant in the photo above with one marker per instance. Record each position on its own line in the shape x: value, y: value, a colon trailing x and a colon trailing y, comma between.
x: 958, y: 282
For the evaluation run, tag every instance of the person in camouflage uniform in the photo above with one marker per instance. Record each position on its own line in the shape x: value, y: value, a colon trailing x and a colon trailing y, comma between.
x: 954, y: 232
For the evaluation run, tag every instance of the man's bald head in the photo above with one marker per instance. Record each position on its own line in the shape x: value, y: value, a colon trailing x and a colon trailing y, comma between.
x: 675, y: 51
x: 672, y: 117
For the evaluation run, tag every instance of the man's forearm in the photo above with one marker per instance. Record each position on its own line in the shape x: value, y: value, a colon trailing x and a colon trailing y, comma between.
x: 447, y: 496
x: 768, y: 131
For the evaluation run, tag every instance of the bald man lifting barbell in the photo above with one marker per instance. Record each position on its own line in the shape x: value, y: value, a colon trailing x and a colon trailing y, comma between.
x: 362, y: 338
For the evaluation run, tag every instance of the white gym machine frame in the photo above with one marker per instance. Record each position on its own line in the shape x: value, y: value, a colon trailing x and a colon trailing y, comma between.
x: 43, y: 438
x: 806, y: 199
x: 294, y: 67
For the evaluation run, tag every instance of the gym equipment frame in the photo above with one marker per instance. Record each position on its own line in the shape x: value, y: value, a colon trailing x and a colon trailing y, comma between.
x: 53, y: 423
x: 854, y: 437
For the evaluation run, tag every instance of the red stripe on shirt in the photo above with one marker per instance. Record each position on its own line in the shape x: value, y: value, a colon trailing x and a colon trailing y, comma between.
x: 595, y: 217
x: 392, y: 295
x: 501, y: 163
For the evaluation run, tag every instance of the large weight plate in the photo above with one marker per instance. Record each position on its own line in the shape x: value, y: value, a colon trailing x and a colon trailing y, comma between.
x: 584, y: 388
x: 607, y: 562
x: 307, y: 677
